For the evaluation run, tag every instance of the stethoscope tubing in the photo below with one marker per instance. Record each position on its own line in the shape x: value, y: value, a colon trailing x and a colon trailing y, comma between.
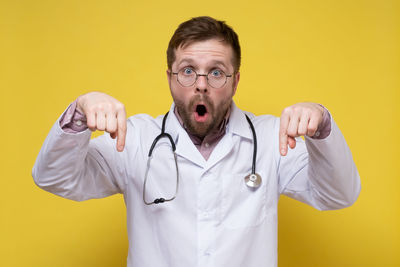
x: 253, y: 131
x: 252, y: 180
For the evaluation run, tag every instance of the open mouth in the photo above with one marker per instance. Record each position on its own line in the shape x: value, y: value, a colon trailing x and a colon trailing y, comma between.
x: 201, y: 113
x: 201, y: 110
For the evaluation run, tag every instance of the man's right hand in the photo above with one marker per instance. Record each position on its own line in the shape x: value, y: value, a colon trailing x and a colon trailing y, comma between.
x: 104, y: 113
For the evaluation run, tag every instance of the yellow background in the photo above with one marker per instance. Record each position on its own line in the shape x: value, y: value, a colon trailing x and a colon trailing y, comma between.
x: 344, y: 54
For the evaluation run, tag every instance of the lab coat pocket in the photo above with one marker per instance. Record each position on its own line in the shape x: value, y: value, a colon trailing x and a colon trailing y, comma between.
x: 242, y: 206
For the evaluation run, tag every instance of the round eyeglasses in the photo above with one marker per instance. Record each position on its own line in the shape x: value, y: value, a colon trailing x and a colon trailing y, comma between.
x: 216, y: 78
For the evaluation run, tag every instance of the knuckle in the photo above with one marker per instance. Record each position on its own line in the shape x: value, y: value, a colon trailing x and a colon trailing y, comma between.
x: 100, y: 107
x: 108, y: 106
x: 302, y: 131
x: 308, y: 111
x: 91, y: 124
x: 312, y: 129
x: 119, y: 106
x: 111, y: 129
x: 316, y: 113
x: 291, y: 132
x: 91, y: 109
x: 105, y: 106
x: 287, y: 110
x: 297, y: 109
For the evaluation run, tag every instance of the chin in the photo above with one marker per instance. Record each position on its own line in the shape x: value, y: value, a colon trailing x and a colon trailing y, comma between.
x: 199, y: 129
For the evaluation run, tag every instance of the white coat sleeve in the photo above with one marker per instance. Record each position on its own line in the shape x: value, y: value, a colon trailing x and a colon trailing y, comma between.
x: 320, y: 172
x: 75, y: 167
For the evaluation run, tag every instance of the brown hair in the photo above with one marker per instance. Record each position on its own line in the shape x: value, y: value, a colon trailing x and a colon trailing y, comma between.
x: 202, y: 29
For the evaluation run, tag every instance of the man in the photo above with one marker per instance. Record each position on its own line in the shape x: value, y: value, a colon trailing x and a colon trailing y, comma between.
x: 195, y: 207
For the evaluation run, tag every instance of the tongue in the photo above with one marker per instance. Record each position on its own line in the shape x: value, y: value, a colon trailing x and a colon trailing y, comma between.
x: 201, y: 114
x: 199, y: 118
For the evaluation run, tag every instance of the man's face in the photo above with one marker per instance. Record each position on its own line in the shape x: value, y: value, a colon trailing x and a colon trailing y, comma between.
x: 202, y: 107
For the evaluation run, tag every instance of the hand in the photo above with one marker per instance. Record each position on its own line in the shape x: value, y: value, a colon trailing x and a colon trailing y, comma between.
x: 104, y: 113
x: 297, y: 120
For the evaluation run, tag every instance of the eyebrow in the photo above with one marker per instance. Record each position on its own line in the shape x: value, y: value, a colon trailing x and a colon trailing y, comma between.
x: 213, y: 62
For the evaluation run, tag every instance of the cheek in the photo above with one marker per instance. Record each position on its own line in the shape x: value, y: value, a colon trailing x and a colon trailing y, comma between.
x: 181, y: 94
x: 224, y: 95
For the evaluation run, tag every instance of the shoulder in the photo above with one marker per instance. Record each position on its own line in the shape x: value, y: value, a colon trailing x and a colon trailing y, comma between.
x: 267, y: 134
x: 141, y: 128
x: 266, y: 120
x: 264, y: 123
x: 143, y: 121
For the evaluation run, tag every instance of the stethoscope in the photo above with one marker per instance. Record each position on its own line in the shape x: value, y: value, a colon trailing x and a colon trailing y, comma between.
x: 253, y: 180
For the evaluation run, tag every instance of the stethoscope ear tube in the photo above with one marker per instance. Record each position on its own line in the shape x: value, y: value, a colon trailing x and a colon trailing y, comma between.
x: 160, y: 136
x: 253, y: 180
x: 253, y: 131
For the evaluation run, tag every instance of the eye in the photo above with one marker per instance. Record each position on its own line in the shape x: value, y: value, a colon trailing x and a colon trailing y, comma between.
x: 216, y: 73
x: 188, y: 71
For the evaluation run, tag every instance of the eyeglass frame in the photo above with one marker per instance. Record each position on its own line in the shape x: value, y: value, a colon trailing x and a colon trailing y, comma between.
x: 205, y: 75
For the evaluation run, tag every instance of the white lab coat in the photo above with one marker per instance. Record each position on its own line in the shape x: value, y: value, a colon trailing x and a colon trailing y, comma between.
x: 215, y: 220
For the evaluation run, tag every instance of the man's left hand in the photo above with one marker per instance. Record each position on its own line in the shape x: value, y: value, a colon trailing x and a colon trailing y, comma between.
x: 298, y: 120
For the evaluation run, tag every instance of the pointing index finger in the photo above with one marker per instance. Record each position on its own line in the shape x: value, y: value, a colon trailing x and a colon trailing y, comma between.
x: 121, y: 130
x: 283, y: 136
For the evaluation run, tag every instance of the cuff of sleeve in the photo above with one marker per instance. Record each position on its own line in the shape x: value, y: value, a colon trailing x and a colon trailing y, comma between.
x: 73, y: 121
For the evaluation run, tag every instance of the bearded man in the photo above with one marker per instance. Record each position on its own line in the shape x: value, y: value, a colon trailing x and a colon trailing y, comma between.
x: 201, y: 184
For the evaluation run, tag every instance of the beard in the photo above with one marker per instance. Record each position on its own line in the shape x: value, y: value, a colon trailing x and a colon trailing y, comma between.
x: 215, y: 114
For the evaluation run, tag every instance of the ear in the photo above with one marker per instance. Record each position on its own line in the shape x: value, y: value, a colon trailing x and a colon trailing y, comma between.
x: 168, y: 72
x: 236, y: 79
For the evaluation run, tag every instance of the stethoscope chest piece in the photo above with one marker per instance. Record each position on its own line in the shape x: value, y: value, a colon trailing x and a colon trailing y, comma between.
x: 253, y: 180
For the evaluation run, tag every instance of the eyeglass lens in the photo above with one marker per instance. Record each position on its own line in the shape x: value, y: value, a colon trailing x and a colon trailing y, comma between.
x: 216, y: 78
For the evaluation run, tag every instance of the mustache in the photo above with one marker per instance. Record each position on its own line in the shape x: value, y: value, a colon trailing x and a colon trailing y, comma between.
x: 201, y: 98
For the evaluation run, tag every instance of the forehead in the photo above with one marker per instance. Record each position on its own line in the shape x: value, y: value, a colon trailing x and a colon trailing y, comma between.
x: 204, y: 53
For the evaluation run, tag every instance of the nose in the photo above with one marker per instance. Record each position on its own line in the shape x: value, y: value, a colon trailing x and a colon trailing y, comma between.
x: 201, y: 84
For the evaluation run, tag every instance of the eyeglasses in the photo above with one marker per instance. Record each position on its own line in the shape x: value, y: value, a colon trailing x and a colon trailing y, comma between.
x: 187, y: 76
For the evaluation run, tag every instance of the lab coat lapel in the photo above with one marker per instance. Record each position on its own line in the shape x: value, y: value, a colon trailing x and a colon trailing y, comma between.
x: 237, y: 126
x: 184, y: 145
x: 222, y: 149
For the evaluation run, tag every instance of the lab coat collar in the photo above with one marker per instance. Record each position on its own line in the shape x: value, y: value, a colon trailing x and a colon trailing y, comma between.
x: 237, y: 125
x: 184, y: 145
x: 172, y: 125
